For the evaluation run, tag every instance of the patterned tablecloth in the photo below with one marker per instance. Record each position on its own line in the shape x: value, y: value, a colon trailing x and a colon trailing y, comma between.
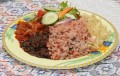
x: 11, y: 10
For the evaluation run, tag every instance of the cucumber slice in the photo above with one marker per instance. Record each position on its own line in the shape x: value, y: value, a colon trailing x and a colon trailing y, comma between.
x: 51, y: 8
x: 49, y: 18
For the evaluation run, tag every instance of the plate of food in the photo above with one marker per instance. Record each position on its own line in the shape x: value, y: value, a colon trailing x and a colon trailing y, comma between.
x: 60, y: 37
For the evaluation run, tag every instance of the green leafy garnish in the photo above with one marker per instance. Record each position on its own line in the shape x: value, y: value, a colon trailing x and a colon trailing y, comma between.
x: 74, y: 12
x: 63, y: 5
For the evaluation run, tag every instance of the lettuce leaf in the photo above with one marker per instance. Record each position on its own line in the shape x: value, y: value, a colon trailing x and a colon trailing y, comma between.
x: 74, y: 12
x: 63, y: 5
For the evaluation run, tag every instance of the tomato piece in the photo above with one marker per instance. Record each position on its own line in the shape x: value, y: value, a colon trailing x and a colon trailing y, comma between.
x: 40, y: 13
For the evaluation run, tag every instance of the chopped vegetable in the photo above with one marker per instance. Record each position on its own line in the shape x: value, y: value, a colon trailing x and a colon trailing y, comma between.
x: 40, y: 13
x: 70, y: 16
x: 63, y: 21
x: 64, y: 12
x: 63, y: 5
x: 49, y: 18
x: 74, y: 12
x: 51, y: 8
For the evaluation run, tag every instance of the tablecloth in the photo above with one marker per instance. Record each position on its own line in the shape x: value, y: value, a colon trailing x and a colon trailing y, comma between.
x: 12, y: 9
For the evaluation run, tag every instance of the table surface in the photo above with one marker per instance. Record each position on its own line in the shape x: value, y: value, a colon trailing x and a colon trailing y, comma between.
x: 12, y: 9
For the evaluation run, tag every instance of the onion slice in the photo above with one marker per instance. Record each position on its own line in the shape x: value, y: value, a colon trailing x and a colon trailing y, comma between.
x: 63, y: 21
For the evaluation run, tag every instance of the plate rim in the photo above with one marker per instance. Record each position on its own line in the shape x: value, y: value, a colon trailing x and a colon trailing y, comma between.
x: 70, y: 66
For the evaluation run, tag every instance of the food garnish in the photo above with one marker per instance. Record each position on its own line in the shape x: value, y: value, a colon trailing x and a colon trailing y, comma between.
x: 49, y: 18
x: 64, y: 12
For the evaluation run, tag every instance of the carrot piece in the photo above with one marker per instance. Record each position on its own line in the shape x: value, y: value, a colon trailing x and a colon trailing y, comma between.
x: 64, y: 12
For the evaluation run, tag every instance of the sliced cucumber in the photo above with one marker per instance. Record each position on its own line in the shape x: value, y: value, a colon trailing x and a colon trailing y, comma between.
x: 51, y: 8
x: 70, y: 16
x: 49, y: 18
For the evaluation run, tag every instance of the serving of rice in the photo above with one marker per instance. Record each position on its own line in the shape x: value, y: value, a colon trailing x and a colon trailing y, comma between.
x: 69, y: 40
x: 76, y: 38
